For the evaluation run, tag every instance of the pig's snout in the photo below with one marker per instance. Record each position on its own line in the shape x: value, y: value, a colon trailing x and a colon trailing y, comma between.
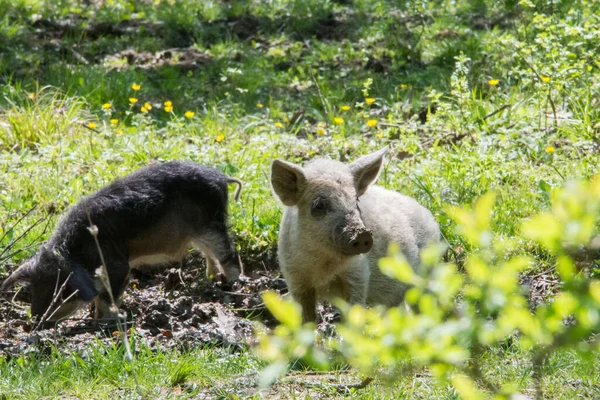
x: 353, y: 240
x: 362, y: 243
x: 232, y: 266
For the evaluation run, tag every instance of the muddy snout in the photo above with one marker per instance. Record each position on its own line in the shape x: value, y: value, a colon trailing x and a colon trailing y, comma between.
x: 355, y: 241
x: 361, y: 243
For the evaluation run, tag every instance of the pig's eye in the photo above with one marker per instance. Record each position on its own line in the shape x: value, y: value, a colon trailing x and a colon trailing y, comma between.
x: 319, y: 207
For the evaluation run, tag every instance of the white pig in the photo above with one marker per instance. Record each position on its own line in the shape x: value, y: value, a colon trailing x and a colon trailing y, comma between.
x: 336, y: 225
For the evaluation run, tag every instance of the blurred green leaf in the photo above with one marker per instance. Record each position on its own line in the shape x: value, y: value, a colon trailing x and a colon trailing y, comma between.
x: 287, y: 312
x: 396, y: 265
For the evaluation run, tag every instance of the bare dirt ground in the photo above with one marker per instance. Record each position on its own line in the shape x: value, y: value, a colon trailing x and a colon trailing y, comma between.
x: 176, y: 306
x: 173, y: 306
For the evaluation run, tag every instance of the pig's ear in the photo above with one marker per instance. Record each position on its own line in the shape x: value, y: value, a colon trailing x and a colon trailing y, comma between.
x: 366, y: 169
x: 288, y: 181
x: 83, y: 282
x: 20, y: 275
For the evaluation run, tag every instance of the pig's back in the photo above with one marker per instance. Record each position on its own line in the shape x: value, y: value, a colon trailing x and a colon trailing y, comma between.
x: 135, y: 202
x: 397, y: 218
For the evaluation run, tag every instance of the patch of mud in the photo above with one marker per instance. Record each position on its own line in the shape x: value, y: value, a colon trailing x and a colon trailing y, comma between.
x: 185, y: 58
x: 541, y: 287
x: 170, y: 307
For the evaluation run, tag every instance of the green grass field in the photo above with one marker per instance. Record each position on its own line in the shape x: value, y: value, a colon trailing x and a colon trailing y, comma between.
x: 471, y: 96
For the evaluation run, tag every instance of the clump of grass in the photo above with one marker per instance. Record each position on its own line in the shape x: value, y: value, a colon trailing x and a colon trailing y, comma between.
x: 182, y: 372
x: 39, y: 117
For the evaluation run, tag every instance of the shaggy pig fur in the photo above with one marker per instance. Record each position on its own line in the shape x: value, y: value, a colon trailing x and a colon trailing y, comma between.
x: 151, y: 216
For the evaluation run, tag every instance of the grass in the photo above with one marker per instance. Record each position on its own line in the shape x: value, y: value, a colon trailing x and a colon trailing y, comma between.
x: 268, y: 80
x: 100, y: 370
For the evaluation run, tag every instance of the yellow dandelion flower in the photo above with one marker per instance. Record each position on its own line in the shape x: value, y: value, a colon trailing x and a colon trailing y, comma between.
x: 220, y: 138
x: 403, y: 86
x: 278, y: 125
x: 114, y: 121
x: 189, y: 114
x: 148, y: 106
x: 168, y: 103
x: 493, y: 82
x: 345, y: 108
x: 370, y: 100
x: 545, y: 79
x: 136, y: 87
x: 31, y: 96
x: 92, y: 125
x: 371, y: 123
x: 106, y: 106
x: 550, y: 149
x: 133, y: 100
x: 338, y: 120
x: 168, y: 108
x: 144, y: 109
x: 320, y: 131
x: 259, y: 105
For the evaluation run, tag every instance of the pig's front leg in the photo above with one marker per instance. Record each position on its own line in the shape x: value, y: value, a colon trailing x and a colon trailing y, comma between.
x: 354, y: 283
x: 307, y: 297
x: 118, y: 277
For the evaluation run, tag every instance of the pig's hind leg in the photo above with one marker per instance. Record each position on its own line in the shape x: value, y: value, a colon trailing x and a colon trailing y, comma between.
x: 221, y: 255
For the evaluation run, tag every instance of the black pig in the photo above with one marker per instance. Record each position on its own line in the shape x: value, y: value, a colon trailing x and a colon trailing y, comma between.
x: 151, y: 216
